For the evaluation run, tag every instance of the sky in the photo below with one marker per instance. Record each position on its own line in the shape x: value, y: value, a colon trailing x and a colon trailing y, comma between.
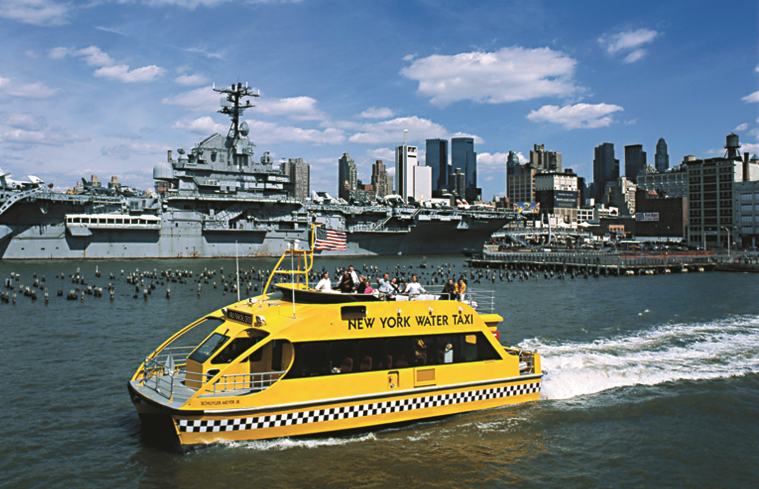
x: 107, y: 87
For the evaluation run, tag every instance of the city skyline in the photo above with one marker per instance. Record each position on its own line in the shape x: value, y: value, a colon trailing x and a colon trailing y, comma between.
x: 107, y: 88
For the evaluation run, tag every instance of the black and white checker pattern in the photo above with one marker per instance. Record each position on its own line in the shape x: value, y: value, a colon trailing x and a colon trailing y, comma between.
x: 355, y: 411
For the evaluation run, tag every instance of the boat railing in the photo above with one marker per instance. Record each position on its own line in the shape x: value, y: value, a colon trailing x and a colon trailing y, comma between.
x: 526, y: 362
x: 250, y: 382
x: 483, y: 301
x: 162, y: 377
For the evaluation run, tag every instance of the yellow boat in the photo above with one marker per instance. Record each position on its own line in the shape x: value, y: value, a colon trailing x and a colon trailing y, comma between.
x: 299, y: 362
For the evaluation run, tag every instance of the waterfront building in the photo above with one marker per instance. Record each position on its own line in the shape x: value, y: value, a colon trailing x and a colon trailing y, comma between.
x: 661, y: 158
x: 458, y: 183
x: 585, y: 214
x: 635, y: 161
x: 659, y: 216
x: 713, y: 219
x: 557, y: 194
x: 672, y: 183
x: 543, y: 160
x: 347, y: 176
x: 521, y: 184
x: 605, y: 169
x: 746, y: 202
x: 300, y: 175
x: 437, y: 159
x: 464, y: 157
x: 620, y: 193
x: 405, y: 161
x: 422, y: 183
x: 380, y: 179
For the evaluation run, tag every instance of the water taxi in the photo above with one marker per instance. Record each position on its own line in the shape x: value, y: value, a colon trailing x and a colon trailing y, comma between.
x: 299, y: 362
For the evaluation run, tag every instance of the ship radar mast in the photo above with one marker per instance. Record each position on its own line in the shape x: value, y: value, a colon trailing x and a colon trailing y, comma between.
x: 233, y: 104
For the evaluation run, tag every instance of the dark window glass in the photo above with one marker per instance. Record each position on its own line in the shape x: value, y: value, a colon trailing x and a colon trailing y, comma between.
x: 343, y: 355
x: 310, y: 360
x: 372, y: 355
x: 235, y: 349
x: 209, y: 347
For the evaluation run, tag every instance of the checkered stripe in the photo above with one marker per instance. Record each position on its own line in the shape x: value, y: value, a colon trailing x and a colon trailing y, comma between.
x: 356, y: 411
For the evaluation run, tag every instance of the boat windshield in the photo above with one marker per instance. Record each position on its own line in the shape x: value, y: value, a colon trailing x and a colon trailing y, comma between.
x: 209, y: 347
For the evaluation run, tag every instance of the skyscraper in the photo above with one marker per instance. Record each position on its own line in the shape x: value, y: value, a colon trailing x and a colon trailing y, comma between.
x: 405, y: 161
x: 464, y: 157
x: 437, y: 159
x: 543, y: 160
x: 300, y: 175
x: 605, y: 169
x: 347, y: 176
x: 380, y: 179
x: 662, y: 158
x: 635, y: 161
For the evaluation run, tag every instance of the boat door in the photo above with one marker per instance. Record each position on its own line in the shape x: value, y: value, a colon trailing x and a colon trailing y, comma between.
x: 392, y: 380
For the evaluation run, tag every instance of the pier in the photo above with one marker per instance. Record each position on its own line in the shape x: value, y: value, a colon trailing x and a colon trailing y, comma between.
x: 604, y: 263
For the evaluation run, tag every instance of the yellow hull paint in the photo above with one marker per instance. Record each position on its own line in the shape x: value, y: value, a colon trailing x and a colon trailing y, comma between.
x: 368, y: 414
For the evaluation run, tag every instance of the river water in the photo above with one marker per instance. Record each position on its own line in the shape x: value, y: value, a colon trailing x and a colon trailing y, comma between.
x: 651, y: 380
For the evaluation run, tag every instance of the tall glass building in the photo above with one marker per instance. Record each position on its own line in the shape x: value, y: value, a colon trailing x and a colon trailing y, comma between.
x: 437, y: 159
x: 662, y: 158
x: 464, y: 157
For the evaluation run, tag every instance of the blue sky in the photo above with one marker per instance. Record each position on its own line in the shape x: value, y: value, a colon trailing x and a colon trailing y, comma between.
x: 106, y: 87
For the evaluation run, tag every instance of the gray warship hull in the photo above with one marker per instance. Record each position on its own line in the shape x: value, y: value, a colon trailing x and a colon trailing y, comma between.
x: 217, y: 201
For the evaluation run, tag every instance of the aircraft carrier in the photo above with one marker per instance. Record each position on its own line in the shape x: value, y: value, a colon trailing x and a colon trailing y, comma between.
x: 217, y: 201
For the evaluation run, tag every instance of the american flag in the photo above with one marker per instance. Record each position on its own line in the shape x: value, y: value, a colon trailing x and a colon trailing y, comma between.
x: 329, y: 239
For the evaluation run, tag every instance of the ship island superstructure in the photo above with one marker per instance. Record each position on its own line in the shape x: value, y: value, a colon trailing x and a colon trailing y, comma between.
x: 218, y: 200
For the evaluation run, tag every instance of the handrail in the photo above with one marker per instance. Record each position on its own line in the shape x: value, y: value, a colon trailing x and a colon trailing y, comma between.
x: 308, y: 262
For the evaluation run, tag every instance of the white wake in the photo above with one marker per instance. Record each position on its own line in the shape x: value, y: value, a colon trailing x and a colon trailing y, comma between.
x: 666, y: 353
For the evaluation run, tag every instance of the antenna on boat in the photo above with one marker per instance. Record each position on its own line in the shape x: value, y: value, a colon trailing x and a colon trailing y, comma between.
x: 237, y: 271
x: 294, y: 244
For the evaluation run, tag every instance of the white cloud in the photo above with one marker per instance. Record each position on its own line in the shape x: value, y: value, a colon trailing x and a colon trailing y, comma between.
x: 376, y: 113
x: 205, y: 99
x: 750, y: 148
x: 92, y: 55
x: 490, y: 162
x: 191, y: 80
x: 522, y: 158
x: 296, y: 107
x: 137, y: 75
x: 36, y: 12
x: 754, y: 97
x: 51, y: 137
x: 387, y: 155
x: 27, y: 122
x: 628, y: 40
x: 391, y: 131
x: 506, y: 75
x: 578, y: 116
x: 193, y: 4
x: 635, y: 56
x: 31, y: 90
x: 741, y: 127
x: 205, y: 53
x: 124, y: 151
x: 266, y: 132
x: 203, y: 125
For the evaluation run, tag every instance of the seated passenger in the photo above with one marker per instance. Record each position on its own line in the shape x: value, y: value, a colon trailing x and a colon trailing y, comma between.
x: 346, y: 285
x: 414, y: 287
x: 449, y: 290
x: 324, y: 284
x: 460, y: 289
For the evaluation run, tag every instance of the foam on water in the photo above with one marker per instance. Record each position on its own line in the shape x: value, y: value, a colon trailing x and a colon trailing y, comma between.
x: 288, y: 443
x: 665, y: 353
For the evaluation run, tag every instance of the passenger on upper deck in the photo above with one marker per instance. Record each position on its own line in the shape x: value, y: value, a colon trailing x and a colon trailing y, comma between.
x: 449, y: 290
x: 354, y: 276
x: 324, y: 284
x: 460, y: 289
x: 345, y: 285
x: 363, y: 286
x: 414, y: 287
x: 385, y: 287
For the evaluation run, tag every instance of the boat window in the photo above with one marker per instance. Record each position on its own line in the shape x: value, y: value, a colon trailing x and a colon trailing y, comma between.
x: 372, y: 355
x: 351, y: 356
x: 342, y: 356
x: 209, y: 347
x: 235, y: 348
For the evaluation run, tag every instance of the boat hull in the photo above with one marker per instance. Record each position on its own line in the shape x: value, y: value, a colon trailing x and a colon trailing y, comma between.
x: 323, y: 417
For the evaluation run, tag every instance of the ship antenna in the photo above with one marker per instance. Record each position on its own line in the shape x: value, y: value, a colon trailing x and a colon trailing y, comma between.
x: 237, y: 265
x: 232, y: 104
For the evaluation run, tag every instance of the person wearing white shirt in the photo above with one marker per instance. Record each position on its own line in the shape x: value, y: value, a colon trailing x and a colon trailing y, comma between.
x: 354, y: 276
x: 324, y: 284
x: 414, y: 287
